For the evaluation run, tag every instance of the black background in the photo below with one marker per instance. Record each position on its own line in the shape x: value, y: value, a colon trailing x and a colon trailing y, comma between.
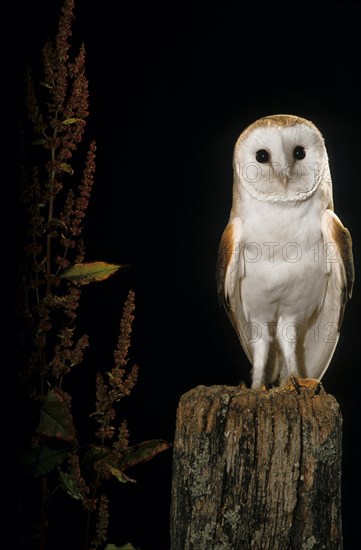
x: 171, y: 88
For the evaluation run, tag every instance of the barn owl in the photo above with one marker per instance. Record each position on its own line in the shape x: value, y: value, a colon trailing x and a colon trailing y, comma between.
x: 285, y: 265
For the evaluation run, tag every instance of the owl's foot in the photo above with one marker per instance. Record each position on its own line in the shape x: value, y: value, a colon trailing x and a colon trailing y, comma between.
x: 263, y: 387
x: 298, y: 384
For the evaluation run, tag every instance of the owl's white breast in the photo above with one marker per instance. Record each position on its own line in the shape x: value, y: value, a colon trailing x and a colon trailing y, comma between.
x: 285, y: 275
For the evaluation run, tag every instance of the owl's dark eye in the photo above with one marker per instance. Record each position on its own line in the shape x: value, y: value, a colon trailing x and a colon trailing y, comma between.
x: 299, y: 152
x: 262, y: 156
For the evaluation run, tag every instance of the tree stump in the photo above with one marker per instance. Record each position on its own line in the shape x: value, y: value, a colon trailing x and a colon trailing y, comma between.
x: 256, y: 469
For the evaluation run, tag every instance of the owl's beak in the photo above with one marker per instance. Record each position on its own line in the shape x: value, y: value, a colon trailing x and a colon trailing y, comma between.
x: 282, y: 172
x: 285, y: 181
x: 286, y: 176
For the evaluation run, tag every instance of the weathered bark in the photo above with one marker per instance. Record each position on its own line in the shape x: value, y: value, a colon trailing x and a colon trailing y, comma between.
x: 256, y: 469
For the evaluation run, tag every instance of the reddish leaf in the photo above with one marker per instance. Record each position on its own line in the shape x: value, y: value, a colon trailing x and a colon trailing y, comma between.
x: 142, y: 452
x: 90, y: 272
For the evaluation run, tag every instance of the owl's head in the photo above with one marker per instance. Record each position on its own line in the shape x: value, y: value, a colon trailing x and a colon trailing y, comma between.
x: 281, y: 158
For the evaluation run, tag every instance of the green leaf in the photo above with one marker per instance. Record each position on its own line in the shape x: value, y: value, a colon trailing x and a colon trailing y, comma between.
x: 41, y: 460
x: 94, y: 454
x: 55, y: 417
x: 51, y: 86
x: 66, y: 168
x: 91, y: 272
x: 143, y: 452
x: 71, y: 120
x: 39, y: 141
x: 69, y: 485
x: 120, y: 475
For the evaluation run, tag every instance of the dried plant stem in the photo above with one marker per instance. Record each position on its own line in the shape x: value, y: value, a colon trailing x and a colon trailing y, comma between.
x: 87, y: 530
x: 42, y: 352
x: 89, y: 514
x: 93, y: 496
x: 50, y: 213
x: 44, y: 511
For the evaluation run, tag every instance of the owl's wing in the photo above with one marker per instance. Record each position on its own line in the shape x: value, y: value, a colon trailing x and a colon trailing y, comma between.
x: 321, y: 340
x: 230, y: 270
x: 339, y: 257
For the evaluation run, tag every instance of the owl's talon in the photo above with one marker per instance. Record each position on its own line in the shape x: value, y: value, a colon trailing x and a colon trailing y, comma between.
x: 318, y: 388
x: 259, y: 387
x: 295, y: 384
x: 298, y: 384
